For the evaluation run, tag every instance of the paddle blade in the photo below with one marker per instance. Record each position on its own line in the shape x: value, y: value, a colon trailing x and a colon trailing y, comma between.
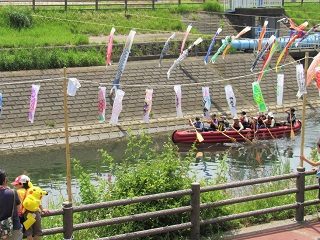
x: 248, y: 141
x: 199, y: 137
x: 258, y: 158
x: 292, y: 134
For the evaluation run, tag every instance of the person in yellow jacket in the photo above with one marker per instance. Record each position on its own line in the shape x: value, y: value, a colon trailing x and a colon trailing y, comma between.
x: 25, y: 189
x: 21, y: 183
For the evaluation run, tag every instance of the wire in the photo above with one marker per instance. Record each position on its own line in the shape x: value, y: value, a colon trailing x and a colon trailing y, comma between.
x: 157, y: 85
x: 31, y: 81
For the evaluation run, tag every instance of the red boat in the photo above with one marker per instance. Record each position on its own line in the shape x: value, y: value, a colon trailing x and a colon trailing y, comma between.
x: 232, y: 136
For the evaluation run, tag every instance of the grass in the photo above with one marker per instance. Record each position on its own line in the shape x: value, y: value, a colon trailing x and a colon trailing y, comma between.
x: 22, y: 47
x: 301, y: 13
x: 75, y: 27
x: 55, y: 28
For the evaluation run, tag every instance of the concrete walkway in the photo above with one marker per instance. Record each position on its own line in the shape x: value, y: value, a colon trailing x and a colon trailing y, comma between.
x: 280, y: 230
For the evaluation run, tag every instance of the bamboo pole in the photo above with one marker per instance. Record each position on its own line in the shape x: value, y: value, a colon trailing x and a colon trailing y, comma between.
x: 304, y: 109
x: 66, y: 130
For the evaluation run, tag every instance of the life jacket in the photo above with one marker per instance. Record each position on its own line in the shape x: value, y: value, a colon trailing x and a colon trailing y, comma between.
x: 213, y: 124
x: 236, y: 125
x: 223, y: 125
x: 260, y: 121
x: 269, y: 121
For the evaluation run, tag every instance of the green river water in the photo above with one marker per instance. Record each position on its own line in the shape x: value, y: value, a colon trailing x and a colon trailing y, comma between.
x: 47, y: 166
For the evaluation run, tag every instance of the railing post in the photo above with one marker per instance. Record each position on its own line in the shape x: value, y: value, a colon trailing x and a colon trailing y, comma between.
x: 125, y: 7
x: 195, y: 213
x: 300, y: 194
x: 97, y: 5
x: 34, y: 4
x: 67, y: 220
x: 65, y: 5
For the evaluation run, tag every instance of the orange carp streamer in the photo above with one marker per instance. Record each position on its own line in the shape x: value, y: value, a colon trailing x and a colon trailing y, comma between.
x: 263, y: 32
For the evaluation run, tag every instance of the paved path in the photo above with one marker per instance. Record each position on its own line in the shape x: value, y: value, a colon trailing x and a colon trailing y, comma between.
x: 280, y: 230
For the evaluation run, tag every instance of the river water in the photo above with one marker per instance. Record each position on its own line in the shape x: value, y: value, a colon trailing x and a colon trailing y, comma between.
x: 47, y: 166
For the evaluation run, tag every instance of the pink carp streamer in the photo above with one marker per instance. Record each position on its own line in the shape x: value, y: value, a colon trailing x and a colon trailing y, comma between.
x: 147, y: 105
x: 245, y: 30
x: 263, y: 32
x: 177, y: 89
x: 0, y: 104
x: 33, y: 101
x: 317, y: 78
x: 185, y: 38
x: 102, y: 104
x: 109, y: 49
x: 312, y: 68
x: 274, y: 48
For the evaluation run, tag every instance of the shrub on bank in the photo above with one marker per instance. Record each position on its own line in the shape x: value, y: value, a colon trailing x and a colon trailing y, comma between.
x: 42, y: 58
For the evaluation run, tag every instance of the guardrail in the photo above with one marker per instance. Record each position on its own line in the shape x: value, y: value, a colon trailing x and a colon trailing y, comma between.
x: 231, y: 5
x: 99, y: 4
x: 195, y: 208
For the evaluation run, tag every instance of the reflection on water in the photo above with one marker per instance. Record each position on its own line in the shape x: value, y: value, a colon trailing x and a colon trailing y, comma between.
x: 47, y: 166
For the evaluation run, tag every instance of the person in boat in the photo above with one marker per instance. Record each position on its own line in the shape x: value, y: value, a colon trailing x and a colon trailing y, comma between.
x: 270, y: 122
x: 261, y: 117
x: 223, y: 123
x: 315, y: 164
x: 244, y: 120
x: 198, y: 124
x: 213, y: 123
x: 237, y: 125
x: 291, y: 118
x: 254, y: 124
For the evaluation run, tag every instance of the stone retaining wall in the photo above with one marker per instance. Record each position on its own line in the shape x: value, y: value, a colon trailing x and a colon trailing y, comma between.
x: 17, y: 132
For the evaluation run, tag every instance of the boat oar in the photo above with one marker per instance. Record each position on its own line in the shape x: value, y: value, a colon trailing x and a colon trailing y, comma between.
x: 247, y: 139
x: 258, y: 158
x: 199, y: 136
x: 231, y: 138
x: 291, y: 132
x: 268, y: 130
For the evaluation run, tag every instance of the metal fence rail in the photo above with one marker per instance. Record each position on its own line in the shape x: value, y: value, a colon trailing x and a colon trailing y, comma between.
x: 194, y: 208
x: 98, y: 4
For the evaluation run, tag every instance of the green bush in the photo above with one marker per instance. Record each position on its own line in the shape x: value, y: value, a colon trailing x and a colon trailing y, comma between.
x: 145, y: 171
x: 49, y: 58
x: 214, y: 6
x: 19, y: 17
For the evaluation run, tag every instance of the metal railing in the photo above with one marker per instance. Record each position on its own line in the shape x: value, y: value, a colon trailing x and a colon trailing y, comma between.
x: 194, y: 208
x: 231, y: 5
x: 98, y: 4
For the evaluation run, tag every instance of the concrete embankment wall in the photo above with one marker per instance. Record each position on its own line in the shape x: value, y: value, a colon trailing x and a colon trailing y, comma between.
x: 17, y: 132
